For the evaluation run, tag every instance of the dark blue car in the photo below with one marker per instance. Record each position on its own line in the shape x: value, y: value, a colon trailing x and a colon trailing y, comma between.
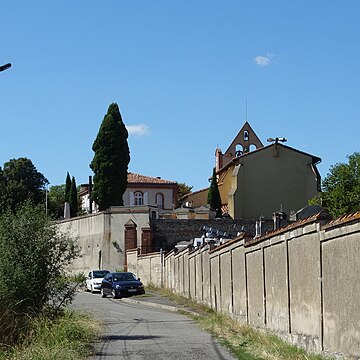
x: 121, y: 284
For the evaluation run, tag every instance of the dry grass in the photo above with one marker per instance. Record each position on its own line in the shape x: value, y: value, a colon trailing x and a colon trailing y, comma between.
x: 69, y: 337
x: 13, y: 326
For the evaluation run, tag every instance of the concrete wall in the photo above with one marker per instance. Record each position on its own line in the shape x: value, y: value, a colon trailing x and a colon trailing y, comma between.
x: 340, y: 253
x: 301, y: 282
x: 101, y: 236
x: 147, y: 267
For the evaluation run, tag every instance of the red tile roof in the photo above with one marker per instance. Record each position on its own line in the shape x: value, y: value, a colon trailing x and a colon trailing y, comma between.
x: 142, y: 179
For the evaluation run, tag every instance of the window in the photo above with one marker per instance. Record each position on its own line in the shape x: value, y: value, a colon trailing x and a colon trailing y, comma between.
x: 238, y: 150
x: 159, y: 200
x: 246, y: 135
x: 139, y: 198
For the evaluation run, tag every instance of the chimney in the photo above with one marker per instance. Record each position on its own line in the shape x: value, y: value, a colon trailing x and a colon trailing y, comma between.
x: 277, y: 217
x: 218, y: 159
x: 258, y: 226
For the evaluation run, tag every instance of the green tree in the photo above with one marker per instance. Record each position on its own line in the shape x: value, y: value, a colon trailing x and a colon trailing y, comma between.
x: 3, y: 195
x: 214, y: 198
x: 67, y: 188
x: 341, y: 187
x: 33, y: 264
x: 56, y: 201
x: 21, y: 181
x: 183, y: 189
x: 111, y: 159
x: 74, y: 204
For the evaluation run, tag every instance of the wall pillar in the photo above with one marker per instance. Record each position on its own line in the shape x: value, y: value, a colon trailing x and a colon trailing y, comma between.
x: 146, y: 240
x: 130, y: 238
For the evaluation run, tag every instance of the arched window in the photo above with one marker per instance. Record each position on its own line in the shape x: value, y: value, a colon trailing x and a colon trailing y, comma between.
x: 159, y: 200
x: 139, y: 198
x: 252, y: 147
x: 246, y: 135
x: 238, y: 150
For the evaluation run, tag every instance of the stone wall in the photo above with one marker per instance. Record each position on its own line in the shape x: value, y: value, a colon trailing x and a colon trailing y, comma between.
x: 168, y: 232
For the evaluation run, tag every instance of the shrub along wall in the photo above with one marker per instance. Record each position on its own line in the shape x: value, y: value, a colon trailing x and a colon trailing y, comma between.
x: 301, y: 281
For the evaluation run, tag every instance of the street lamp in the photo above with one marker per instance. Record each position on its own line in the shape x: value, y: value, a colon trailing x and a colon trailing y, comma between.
x: 5, y: 67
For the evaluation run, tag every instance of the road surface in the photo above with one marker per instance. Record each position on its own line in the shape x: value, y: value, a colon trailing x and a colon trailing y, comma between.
x: 137, y: 331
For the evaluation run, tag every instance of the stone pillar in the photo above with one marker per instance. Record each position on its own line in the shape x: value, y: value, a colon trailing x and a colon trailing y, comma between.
x: 146, y: 241
x: 130, y: 239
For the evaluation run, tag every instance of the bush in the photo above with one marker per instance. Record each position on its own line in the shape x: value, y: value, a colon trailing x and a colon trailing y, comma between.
x: 34, y: 257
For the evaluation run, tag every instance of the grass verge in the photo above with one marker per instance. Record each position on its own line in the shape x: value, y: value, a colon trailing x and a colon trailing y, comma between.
x: 243, y: 341
x: 68, y: 337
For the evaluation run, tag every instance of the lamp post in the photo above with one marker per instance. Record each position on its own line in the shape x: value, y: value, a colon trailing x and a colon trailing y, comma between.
x: 5, y: 67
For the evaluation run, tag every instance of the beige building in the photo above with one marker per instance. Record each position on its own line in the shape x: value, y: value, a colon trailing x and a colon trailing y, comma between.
x: 256, y: 180
x: 141, y: 190
x: 152, y: 191
x: 273, y: 178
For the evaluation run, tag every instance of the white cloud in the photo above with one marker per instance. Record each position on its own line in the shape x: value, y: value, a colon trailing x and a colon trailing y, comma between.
x: 264, y: 60
x: 138, y: 130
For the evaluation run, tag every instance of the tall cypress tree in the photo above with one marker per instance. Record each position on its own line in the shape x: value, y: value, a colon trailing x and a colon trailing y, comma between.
x: 111, y: 159
x: 67, y: 188
x: 73, y: 197
x: 214, y: 198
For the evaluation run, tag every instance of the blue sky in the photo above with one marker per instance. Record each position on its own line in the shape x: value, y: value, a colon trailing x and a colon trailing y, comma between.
x: 181, y: 73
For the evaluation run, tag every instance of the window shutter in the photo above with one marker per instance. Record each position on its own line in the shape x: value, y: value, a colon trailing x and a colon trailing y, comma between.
x: 146, y: 198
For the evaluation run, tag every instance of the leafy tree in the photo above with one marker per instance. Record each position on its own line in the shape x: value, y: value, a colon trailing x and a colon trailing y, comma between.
x: 214, y: 198
x: 111, y: 159
x: 67, y: 188
x: 3, y: 195
x: 20, y: 181
x: 341, y: 187
x: 183, y: 189
x: 74, y: 205
x: 56, y: 201
x: 33, y: 263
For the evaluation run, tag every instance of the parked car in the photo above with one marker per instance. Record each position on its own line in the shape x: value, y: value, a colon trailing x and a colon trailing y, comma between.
x: 121, y: 284
x: 94, y: 279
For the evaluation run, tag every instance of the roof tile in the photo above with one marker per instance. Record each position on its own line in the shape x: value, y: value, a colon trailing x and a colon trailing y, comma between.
x: 142, y: 179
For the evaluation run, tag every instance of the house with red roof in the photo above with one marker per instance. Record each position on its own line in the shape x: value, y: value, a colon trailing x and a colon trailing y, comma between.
x: 152, y: 191
x: 141, y: 190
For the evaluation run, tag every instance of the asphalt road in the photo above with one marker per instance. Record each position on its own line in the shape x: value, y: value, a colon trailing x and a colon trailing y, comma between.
x: 136, y: 331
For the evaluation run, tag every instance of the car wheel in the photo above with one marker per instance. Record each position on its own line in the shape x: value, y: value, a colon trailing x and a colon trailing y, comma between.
x: 103, y: 293
x: 113, y: 293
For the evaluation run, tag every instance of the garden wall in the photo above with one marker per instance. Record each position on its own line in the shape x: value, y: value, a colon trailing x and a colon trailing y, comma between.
x: 300, y: 282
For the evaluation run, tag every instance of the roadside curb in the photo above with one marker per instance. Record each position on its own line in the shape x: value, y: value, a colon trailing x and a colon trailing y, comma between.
x: 159, y: 306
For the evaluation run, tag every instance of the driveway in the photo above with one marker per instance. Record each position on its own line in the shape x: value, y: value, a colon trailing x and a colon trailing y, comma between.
x: 141, y: 331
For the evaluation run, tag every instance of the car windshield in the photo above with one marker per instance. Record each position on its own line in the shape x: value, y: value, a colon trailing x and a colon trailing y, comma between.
x: 100, y: 274
x: 124, y: 277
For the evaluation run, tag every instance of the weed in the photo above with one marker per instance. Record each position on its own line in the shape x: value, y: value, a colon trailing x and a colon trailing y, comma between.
x: 67, y: 337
